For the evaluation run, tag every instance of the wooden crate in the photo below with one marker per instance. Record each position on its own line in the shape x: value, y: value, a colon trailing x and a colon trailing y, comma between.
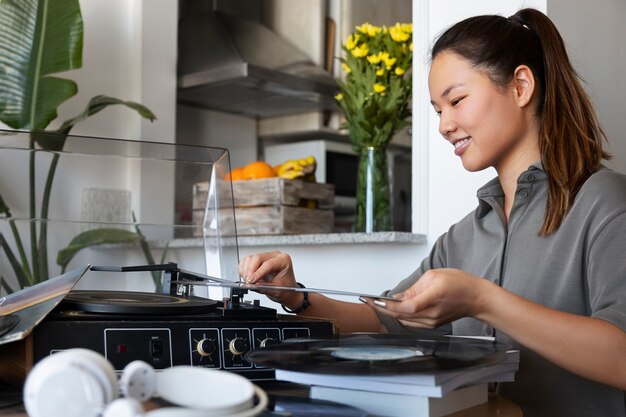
x: 272, y: 206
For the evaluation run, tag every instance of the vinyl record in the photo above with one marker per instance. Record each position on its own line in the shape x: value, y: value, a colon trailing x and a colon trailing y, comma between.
x: 8, y: 322
x: 379, y: 354
x: 130, y: 302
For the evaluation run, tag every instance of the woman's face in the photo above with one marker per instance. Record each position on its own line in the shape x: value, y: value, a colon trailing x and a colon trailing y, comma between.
x: 484, y: 122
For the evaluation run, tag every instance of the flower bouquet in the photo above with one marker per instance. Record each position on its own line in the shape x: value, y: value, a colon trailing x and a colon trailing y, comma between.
x: 374, y: 99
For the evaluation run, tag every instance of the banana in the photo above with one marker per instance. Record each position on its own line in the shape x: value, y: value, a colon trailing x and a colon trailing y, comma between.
x: 303, y: 168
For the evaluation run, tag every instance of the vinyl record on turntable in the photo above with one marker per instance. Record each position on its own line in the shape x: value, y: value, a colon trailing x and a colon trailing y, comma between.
x: 379, y: 354
x: 131, y: 302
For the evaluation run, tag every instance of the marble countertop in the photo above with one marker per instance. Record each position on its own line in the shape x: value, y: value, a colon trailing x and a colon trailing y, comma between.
x: 307, y: 239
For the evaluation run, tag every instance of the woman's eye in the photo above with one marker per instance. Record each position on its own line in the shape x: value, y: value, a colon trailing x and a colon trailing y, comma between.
x: 456, y: 101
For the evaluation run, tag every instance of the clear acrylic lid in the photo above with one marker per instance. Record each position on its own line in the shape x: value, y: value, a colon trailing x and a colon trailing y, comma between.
x: 68, y: 201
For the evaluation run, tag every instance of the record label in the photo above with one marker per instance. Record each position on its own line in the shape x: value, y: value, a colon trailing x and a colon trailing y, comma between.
x: 375, y: 353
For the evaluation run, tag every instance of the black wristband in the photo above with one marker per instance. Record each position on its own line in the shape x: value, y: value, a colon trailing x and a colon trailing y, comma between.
x: 305, y: 302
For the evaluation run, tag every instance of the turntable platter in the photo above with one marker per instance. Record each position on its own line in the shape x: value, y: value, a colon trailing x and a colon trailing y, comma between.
x: 130, y: 302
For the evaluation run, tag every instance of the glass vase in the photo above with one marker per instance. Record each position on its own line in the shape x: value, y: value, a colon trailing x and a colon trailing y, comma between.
x: 373, y: 208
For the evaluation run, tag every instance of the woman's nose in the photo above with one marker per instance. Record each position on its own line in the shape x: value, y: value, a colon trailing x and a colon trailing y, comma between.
x: 446, y: 124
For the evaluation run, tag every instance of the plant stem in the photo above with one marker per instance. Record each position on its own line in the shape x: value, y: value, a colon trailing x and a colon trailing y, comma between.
x: 33, y: 210
x: 45, y: 204
x: 20, y: 248
x: 19, y: 273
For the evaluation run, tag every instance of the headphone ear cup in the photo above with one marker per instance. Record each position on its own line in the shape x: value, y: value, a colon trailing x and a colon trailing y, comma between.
x: 72, y: 383
x: 124, y: 407
x: 138, y: 381
x: 187, y: 386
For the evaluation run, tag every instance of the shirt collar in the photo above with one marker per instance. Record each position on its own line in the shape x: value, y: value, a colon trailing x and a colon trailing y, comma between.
x: 493, y: 189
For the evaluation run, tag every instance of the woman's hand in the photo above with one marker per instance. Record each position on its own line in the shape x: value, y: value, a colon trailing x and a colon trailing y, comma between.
x: 271, y: 268
x: 438, y: 297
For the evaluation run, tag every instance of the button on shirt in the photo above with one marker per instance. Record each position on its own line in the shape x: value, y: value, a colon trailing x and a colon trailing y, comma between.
x: 579, y: 269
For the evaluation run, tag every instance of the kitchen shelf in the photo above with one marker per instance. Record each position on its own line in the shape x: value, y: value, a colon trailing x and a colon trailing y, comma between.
x: 307, y: 239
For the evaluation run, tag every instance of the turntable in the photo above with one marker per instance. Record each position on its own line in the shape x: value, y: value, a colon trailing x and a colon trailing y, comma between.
x: 162, y: 329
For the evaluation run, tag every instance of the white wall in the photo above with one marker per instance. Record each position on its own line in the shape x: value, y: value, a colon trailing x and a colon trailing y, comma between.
x: 129, y: 53
x: 594, y: 34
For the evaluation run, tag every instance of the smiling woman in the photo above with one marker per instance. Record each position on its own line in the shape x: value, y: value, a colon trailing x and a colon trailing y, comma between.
x: 481, y: 122
x: 496, y: 84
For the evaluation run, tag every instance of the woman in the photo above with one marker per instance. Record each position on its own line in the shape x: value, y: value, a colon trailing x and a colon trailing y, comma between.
x: 540, y: 262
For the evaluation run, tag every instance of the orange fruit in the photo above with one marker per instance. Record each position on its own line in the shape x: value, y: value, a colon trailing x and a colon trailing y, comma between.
x: 258, y: 169
x: 234, y: 175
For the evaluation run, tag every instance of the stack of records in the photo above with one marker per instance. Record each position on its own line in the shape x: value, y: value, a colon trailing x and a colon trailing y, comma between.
x: 392, y: 375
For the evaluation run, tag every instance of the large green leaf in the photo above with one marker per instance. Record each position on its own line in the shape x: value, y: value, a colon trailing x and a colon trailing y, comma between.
x: 38, y: 38
x: 54, y: 141
x: 94, y: 237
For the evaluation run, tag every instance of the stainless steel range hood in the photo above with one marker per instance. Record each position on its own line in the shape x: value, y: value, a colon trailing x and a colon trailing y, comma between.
x: 239, y: 66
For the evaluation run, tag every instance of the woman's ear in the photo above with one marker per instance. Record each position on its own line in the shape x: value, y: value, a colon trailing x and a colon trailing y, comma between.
x: 524, y: 85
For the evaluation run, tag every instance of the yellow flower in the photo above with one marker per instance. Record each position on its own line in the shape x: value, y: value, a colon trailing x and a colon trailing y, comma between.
x: 373, y: 59
x: 411, y: 47
x: 397, y: 34
x: 389, y: 62
x: 379, y: 88
x: 369, y: 29
x: 346, y: 68
x: 360, y: 51
x: 380, y: 72
x: 339, y: 97
x: 352, y: 41
x: 407, y: 27
x: 399, y: 71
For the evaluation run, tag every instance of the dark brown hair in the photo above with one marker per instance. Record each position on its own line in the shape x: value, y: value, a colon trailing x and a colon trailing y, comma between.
x: 570, y: 136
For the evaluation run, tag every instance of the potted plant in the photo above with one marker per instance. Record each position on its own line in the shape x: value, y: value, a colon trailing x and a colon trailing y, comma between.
x: 39, y: 39
x: 374, y: 99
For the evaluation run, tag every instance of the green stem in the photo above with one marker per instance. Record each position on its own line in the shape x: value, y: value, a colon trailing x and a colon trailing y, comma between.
x: 19, y: 273
x: 33, y: 211
x: 45, y: 204
x: 5, y: 285
x: 20, y: 248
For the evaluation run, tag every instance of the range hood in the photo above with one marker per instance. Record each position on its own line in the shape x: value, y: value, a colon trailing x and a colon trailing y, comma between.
x: 236, y: 65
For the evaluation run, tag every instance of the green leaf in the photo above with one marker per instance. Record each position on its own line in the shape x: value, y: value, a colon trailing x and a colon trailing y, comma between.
x: 4, y: 284
x: 15, y: 264
x: 99, y: 103
x: 94, y: 237
x: 4, y: 209
x: 54, y: 141
x: 38, y: 38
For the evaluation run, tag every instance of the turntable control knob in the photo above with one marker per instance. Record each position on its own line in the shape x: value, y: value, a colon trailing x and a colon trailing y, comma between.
x: 270, y: 341
x: 206, y: 347
x: 238, y: 346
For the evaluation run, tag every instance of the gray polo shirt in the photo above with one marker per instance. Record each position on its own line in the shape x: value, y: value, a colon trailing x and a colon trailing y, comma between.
x: 579, y: 269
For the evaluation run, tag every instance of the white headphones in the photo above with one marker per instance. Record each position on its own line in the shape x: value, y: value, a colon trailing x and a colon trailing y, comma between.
x: 82, y: 383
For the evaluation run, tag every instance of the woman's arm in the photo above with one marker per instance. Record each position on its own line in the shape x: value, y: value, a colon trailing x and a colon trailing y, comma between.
x: 275, y: 268
x: 589, y: 347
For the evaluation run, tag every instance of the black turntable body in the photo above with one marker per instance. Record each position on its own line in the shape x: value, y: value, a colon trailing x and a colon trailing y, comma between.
x: 163, y: 330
